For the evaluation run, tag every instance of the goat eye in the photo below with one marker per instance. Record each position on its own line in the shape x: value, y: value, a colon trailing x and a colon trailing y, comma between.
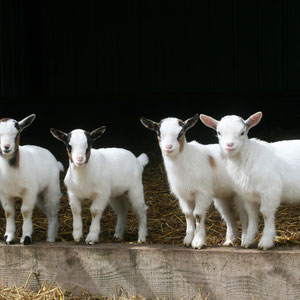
x: 243, y: 133
x: 218, y: 133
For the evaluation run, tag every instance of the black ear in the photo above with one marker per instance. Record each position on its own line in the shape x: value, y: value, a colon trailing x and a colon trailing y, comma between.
x: 26, y: 122
x: 149, y: 124
x: 189, y: 123
x: 60, y: 135
x: 95, y: 134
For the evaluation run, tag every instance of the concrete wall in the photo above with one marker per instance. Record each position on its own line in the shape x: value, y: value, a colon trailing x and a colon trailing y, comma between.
x: 156, y: 270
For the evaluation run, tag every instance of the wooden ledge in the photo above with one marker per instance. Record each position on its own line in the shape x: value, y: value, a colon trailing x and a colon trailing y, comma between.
x: 173, y: 272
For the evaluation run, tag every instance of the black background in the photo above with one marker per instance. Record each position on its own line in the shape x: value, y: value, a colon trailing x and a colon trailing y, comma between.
x: 84, y: 64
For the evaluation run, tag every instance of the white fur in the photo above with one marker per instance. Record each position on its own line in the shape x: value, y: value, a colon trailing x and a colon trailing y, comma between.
x: 267, y: 174
x: 105, y: 178
x: 196, y: 183
x: 35, y: 180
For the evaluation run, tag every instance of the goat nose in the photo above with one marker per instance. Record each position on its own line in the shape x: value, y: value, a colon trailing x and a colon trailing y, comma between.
x: 229, y: 144
x: 79, y: 158
x: 169, y: 147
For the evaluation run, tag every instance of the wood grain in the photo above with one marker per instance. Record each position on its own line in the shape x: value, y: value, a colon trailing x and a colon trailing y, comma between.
x: 153, y: 271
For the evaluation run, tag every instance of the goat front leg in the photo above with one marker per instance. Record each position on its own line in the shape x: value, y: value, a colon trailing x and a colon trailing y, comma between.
x: 240, y: 206
x: 252, y: 212
x: 9, y: 208
x: 97, y: 208
x: 75, y: 205
x: 28, y: 203
x: 202, y: 203
x: 268, y: 209
x: 226, y: 210
x: 187, y: 208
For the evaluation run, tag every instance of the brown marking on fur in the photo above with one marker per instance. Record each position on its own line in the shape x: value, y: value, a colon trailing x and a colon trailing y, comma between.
x: 23, y: 192
x: 88, y: 154
x: 94, y: 214
x: 17, y: 160
x: 25, y: 214
x: 17, y: 141
x: 181, y: 142
x: 76, y: 212
x: 17, y: 144
x: 8, y: 214
x: 14, y: 161
x: 212, y: 162
x: 181, y: 123
x: 181, y: 138
x: 5, y: 119
x: 197, y: 218
x: 69, y: 155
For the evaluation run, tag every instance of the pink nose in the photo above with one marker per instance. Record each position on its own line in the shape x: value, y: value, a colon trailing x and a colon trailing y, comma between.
x: 229, y: 145
x: 169, y: 147
x: 79, y: 158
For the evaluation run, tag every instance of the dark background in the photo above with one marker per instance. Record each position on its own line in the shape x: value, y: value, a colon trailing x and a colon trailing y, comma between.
x: 84, y: 64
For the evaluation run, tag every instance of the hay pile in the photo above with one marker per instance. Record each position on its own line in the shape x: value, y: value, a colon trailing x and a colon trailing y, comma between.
x: 166, y: 223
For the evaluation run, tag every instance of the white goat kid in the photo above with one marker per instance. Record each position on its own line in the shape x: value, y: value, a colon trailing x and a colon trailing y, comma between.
x: 197, y: 176
x: 31, y: 173
x: 103, y: 176
x: 266, y: 173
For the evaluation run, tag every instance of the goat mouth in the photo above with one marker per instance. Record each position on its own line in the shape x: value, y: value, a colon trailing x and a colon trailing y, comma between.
x: 79, y: 164
x: 8, y: 151
x: 229, y: 150
x: 169, y: 151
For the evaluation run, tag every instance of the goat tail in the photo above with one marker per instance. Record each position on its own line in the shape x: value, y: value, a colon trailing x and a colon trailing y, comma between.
x: 60, y: 166
x: 143, y: 159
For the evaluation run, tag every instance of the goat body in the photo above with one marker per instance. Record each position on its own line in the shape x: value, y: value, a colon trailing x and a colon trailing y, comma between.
x: 267, y: 174
x: 103, y: 176
x: 197, y: 176
x: 35, y: 179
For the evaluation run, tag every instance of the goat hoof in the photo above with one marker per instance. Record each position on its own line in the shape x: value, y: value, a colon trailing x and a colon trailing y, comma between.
x: 228, y: 243
x: 27, y: 240
x: 7, y: 240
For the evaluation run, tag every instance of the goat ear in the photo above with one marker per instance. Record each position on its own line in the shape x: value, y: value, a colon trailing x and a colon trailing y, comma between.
x: 95, y: 134
x: 209, y: 121
x: 253, y: 120
x: 189, y: 123
x: 60, y: 135
x: 149, y: 124
x: 26, y: 122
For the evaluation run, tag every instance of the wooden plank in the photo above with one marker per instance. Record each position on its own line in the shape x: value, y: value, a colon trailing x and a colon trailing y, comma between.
x: 153, y: 271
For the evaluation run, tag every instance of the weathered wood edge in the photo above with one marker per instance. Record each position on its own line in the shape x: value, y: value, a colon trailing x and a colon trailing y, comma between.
x: 156, y: 270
